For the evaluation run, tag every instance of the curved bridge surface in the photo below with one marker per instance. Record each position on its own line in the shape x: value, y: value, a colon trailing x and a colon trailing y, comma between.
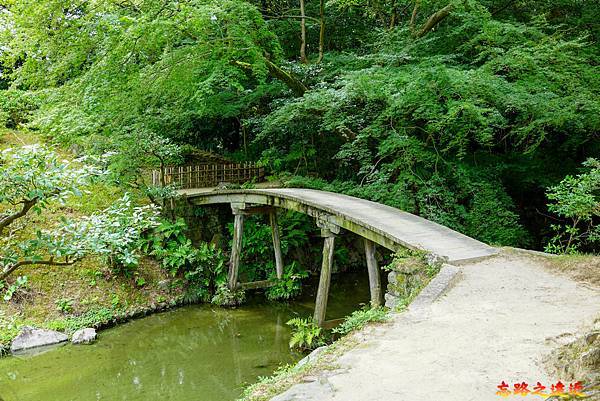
x: 384, y: 225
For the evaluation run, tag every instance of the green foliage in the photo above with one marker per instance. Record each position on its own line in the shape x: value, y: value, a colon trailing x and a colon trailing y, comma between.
x: 360, y: 318
x: 257, y: 259
x: 463, y: 124
x: 208, y: 274
x: 226, y: 297
x: 9, y: 328
x: 64, y: 305
x: 289, y: 286
x: 92, y: 318
x: 16, y: 107
x: 11, y: 290
x: 202, y: 267
x: 576, y: 199
x: 306, y: 334
x: 32, y: 178
x: 166, y: 67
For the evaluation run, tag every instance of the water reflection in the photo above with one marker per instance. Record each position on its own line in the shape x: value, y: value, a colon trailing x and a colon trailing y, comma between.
x: 198, y: 353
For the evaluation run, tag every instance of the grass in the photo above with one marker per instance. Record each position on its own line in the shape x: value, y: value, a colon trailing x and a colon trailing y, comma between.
x: 87, y: 293
x: 584, y: 268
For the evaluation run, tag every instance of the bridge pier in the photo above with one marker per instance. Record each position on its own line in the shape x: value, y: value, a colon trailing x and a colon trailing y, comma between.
x: 238, y: 231
x: 374, y: 277
x: 239, y: 211
x: 328, y: 232
x: 276, y: 243
x: 325, y: 279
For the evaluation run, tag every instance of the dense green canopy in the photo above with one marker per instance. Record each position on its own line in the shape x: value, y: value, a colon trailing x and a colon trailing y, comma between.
x: 464, y: 112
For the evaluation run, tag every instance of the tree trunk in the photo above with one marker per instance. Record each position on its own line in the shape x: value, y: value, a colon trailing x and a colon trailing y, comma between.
x: 303, y: 58
x: 292, y: 82
x: 322, y: 30
x: 287, y: 78
x: 434, y: 20
x: 394, y: 15
x: 413, y: 17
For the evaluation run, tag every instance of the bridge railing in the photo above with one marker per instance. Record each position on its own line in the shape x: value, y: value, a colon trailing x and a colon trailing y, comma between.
x: 208, y: 175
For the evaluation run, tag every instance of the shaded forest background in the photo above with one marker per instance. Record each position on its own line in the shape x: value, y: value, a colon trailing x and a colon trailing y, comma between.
x: 464, y: 112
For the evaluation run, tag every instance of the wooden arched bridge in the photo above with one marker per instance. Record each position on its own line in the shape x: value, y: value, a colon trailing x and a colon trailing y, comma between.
x: 378, y: 224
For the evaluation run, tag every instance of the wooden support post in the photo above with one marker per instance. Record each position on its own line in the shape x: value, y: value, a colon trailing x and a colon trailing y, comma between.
x: 325, y: 280
x: 374, y: 278
x: 276, y: 243
x: 234, y: 263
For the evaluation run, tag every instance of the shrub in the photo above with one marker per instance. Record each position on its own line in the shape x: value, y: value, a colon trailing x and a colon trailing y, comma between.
x: 32, y: 178
x: 202, y: 267
x: 64, y: 305
x: 16, y: 107
x: 576, y: 199
x: 18, y: 287
x: 226, y: 297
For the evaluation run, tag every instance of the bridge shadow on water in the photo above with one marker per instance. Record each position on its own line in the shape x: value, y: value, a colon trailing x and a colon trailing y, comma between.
x: 199, y: 352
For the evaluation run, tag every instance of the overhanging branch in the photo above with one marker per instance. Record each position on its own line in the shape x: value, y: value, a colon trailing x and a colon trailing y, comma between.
x: 434, y: 20
x: 5, y: 273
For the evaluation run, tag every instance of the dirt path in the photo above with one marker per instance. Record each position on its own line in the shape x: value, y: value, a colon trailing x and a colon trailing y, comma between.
x: 497, y: 323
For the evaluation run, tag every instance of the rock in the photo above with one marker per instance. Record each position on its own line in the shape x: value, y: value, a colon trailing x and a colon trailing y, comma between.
x: 592, y: 337
x: 435, y: 260
x: 391, y: 301
x: 84, y: 336
x: 591, y: 359
x: 311, y: 357
x: 316, y: 390
x: 31, y: 337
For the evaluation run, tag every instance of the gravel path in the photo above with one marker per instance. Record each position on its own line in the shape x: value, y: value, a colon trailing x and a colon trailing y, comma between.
x: 499, y: 320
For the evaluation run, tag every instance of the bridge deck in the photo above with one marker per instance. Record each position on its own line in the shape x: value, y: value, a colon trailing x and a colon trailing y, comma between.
x: 400, y: 227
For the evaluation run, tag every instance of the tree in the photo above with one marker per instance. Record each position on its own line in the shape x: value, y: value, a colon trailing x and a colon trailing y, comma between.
x: 321, y: 30
x: 577, y: 200
x: 303, y: 58
x: 32, y: 178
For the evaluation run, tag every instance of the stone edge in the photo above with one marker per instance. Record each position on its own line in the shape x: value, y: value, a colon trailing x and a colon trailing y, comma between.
x: 442, y: 282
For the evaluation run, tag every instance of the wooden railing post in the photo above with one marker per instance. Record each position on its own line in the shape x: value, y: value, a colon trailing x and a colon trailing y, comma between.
x: 204, y: 175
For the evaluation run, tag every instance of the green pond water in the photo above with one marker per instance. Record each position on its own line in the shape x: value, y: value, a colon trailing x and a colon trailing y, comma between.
x: 194, y: 353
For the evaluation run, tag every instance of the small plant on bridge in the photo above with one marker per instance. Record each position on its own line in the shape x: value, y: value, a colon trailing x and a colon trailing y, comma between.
x: 410, y: 271
x: 306, y: 334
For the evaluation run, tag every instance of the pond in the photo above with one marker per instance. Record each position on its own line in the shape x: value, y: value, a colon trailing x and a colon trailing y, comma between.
x: 199, y: 353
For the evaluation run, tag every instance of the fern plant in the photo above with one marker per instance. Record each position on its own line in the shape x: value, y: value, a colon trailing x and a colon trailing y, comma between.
x: 306, y: 334
x: 289, y: 286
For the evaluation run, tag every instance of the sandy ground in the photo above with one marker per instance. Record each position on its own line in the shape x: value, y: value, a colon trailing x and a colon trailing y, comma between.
x: 498, y: 322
